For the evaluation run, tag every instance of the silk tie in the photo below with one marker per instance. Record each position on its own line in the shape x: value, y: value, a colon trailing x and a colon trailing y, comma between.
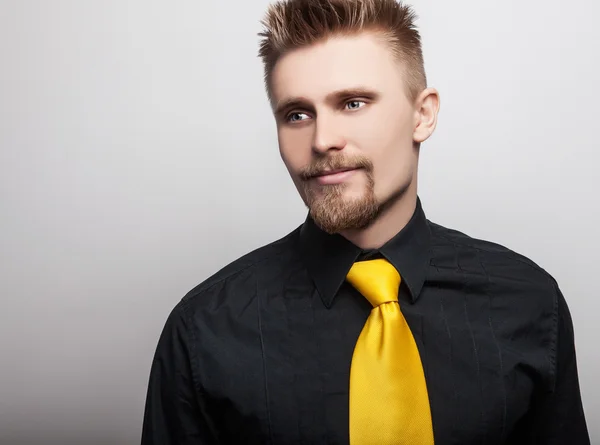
x: 389, y: 403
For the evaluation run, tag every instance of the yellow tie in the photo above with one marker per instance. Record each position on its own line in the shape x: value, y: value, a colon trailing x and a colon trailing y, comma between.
x: 389, y: 404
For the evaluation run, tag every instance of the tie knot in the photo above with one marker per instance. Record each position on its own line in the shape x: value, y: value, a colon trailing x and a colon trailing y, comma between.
x: 377, y: 280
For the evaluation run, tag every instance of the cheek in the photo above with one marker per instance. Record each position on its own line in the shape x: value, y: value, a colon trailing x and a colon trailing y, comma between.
x: 394, y: 158
x: 294, y: 148
x: 380, y: 128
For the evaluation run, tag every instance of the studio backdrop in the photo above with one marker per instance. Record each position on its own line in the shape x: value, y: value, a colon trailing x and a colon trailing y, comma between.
x: 138, y: 156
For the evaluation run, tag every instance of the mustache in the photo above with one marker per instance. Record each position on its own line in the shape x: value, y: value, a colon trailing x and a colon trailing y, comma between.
x: 322, y: 165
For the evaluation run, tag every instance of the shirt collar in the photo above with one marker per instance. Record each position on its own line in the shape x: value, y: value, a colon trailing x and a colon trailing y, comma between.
x: 329, y: 257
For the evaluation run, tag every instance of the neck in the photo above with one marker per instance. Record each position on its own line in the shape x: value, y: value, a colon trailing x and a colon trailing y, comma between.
x: 391, y: 221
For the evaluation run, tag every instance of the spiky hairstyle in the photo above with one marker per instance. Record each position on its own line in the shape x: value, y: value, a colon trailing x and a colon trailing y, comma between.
x: 291, y: 24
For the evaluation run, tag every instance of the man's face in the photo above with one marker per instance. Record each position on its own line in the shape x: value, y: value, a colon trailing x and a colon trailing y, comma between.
x: 345, y: 128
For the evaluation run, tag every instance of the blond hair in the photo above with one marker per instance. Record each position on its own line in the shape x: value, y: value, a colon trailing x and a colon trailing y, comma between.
x: 291, y: 24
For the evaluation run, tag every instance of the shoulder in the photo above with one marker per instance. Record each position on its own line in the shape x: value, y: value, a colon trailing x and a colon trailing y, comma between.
x: 226, y: 294
x: 453, y: 248
x: 512, y: 284
x: 238, y: 278
x: 521, y: 295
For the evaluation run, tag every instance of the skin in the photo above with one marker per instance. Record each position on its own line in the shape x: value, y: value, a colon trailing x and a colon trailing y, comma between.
x: 342, y: 104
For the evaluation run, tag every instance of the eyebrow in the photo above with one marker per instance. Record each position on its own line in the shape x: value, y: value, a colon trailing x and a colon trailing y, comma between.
x: 333, y: 97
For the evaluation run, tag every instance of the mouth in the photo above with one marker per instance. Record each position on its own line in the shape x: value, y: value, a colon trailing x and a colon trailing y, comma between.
x: 334, y: 171
x: 335, y: 176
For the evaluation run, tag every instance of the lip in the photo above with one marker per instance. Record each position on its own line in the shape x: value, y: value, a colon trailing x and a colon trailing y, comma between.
x: 335, y: 176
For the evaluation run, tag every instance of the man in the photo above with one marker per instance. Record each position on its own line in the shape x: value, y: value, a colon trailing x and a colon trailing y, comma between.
x: 368, y: 324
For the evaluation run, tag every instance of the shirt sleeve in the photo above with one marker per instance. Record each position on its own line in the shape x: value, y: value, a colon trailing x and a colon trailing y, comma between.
x: 557, y: 416
x: 173, y: 414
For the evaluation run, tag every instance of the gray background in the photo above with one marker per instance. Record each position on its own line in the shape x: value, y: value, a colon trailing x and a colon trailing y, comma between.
x: 138, y: 156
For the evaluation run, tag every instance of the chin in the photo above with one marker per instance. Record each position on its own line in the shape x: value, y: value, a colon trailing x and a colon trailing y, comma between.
x: 336, y: 213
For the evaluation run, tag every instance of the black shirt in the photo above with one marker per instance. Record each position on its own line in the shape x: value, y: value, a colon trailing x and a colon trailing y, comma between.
x: 260, y: 352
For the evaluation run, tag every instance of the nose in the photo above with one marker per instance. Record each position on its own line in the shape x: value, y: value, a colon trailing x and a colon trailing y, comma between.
x: 327, y: 136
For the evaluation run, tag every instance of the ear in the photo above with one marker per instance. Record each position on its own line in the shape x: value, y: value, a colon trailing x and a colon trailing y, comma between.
x: 427, y: 106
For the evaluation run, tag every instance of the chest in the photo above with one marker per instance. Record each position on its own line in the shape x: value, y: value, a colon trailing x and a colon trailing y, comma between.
x: 281, y: 375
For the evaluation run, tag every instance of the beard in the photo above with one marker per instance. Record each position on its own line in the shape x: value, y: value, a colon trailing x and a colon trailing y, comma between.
x: 328, y: 207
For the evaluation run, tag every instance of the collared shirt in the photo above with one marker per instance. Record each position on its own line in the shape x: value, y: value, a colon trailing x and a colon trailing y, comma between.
x: 260, y: 352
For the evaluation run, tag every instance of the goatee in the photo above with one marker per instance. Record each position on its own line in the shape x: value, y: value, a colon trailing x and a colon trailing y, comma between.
x: 328, y: 207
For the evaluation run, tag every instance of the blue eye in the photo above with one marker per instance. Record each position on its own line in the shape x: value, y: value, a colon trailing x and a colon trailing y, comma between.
x: 355, y: 104
x: 296, y: 117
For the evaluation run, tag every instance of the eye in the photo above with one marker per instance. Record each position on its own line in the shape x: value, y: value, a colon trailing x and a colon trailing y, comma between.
x: 355, y: 104
x: 296, y: 117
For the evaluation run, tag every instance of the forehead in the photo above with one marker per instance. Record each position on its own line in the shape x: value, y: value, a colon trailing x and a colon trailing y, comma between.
x: 336, y: 63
